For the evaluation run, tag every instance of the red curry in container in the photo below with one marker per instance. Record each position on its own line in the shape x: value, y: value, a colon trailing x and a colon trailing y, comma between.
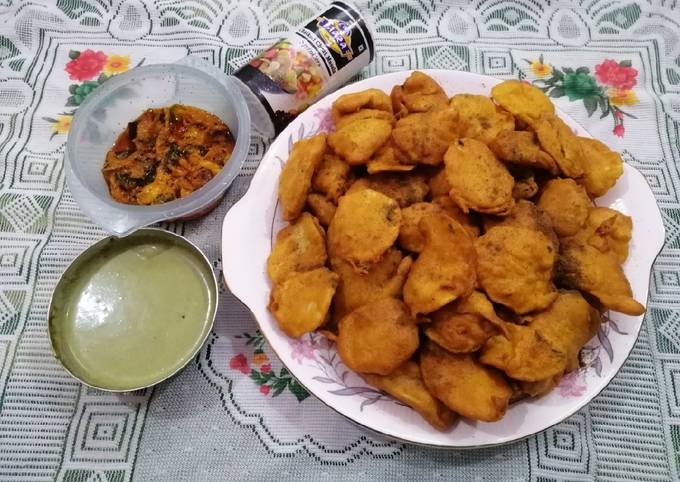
x: 166, y: 154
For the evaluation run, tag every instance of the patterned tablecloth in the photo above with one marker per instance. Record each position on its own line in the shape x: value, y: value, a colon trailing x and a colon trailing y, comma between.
x: 234, y: 413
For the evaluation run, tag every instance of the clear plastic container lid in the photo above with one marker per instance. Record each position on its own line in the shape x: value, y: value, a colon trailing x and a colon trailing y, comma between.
x: 105, y: 114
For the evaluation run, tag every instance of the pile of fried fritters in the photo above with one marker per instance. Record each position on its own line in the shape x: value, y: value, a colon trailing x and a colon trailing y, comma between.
x: 450, y: 247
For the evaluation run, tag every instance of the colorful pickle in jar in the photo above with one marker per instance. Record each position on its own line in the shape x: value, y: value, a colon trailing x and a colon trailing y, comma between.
x: 294, y: 70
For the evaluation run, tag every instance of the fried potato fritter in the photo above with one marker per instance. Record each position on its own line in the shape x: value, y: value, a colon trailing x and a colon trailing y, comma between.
x: 445, y: 268
x: 541, y: 387
x: 356, y: 142
x: 363, y: 122
x: 296, y: 176
x: 586, y: 268
x: 525, y: 186
x: 452, y: 210
x: 527, y: 215
x: 480, y: 118
x: 608, y: 230
x: 406, y: 385
x: 322, y: 208
x: 424, y: 137
x: 478, y: 180
x: 522, y: 148
x: 477, y: 303
x: 369, y: 99
x: 377, y: 337
x: 567, y: 205
x: 567, y: 324
x: 406, y: 189
x: 365, y: 225
x: 419, y: 93
x: 300, y: 303
x: 459, y: 332
x: 515, y: 267
x: 523, y: 354
x: 388, y: 159
x: 300, y: 246
x: 558, y: 140
x: 411, y: 237
x: 384, y: 279
x: 463, y: 384
x: 362, y: 115
x: 522, y: 100
x: 602, y: 166
x: 439, y: 183
x: 332, y: 177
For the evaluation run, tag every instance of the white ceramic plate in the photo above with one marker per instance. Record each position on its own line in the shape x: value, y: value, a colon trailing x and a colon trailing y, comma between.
x: 251, y: 226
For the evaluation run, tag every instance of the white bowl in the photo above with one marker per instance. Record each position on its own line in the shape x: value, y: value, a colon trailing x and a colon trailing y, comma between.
x: 249, y: 231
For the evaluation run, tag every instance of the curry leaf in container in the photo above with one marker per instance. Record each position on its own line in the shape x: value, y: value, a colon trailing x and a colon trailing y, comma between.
x: 173, y: 154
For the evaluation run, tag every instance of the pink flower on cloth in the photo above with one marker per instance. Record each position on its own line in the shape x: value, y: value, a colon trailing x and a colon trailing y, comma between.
x: 266, y: 368
x: 87, y: 65
x: 571, y: 386
x: 302, y: 349
x: 264, y: 389
x: 618, y: 130
x: 240, y: 363
x: 613, y: 74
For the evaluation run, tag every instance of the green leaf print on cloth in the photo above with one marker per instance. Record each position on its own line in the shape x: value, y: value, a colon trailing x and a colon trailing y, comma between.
x: 608, y: 89
x: 91, y: 68
x: 259, y: 369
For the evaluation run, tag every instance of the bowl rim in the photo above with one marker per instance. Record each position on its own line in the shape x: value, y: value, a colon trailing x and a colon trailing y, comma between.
x: 211, y: 190
x: 214, y: 305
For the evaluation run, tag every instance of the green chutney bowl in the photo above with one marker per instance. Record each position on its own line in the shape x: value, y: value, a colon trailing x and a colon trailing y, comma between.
x: 131, y: 312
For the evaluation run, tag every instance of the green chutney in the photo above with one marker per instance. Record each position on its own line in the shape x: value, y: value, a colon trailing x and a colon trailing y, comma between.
x: 130, y: 312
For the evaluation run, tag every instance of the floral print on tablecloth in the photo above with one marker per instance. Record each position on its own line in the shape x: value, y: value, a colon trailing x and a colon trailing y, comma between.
x: 259, y: 369
x: 89, y: 69
x: 609, y: 88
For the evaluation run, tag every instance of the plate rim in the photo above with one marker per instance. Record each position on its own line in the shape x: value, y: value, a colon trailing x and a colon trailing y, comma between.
x: 243, y: 202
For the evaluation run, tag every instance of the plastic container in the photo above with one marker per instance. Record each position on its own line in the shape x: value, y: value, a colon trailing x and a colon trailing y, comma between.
x: 121, y: 99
